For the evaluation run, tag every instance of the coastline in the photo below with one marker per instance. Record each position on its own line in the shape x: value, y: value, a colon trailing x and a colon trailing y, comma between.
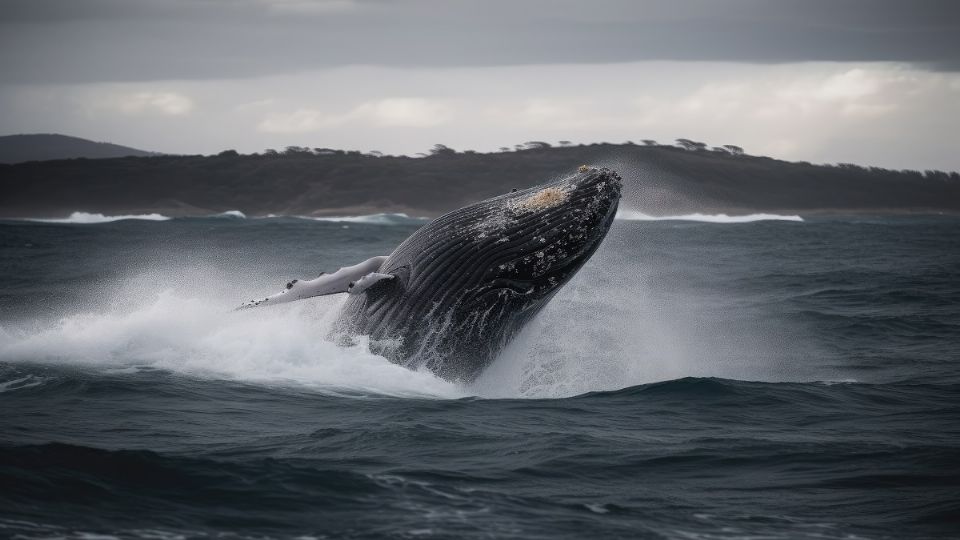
x: 659, y: 181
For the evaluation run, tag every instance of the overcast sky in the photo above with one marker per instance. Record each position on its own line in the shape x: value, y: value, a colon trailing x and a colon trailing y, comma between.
x: 869, y: 81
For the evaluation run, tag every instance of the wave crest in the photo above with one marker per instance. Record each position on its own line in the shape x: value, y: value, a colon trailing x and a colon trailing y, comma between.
x: 374, y: 219
x: 405, y: 219
x: 88, y: 218
x: 230, y: 214
x: 634, y: 215
x: 203, y: 338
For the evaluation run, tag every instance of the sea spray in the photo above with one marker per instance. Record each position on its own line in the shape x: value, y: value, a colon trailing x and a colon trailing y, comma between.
x: 625, y: 321
x: 622, y: 321
x: 202, y: 338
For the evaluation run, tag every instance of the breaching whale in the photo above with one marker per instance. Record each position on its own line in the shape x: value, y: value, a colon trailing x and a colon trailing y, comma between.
x: 454, y: 293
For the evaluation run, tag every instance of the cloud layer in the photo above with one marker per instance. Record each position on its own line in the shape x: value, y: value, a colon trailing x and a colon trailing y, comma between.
x: 387, y: 112
x: 65, y: 41
x: 891, y: 115
x: 867, y: 81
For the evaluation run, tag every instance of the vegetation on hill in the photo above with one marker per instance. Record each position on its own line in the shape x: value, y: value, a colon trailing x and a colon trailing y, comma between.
x: 660, y: 179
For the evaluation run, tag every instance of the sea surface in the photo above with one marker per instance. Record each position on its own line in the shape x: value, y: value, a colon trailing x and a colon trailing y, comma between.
x: 703, y: 377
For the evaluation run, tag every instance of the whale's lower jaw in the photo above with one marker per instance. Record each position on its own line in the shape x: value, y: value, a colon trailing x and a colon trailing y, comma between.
x: 468, y: 282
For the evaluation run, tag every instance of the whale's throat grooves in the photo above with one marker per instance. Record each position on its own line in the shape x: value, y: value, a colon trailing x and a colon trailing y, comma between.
x: 468, y: 282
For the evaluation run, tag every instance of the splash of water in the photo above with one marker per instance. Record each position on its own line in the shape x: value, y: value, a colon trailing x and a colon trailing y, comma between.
x: 615, y: 326
x: 609, y: 328
x: 203, y: 338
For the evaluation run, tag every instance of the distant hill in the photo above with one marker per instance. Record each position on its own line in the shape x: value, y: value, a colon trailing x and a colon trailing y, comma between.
x: 43, y: 147
x: 659, y: 180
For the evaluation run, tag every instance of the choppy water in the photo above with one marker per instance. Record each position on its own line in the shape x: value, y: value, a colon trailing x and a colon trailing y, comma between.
x: 697, y: 380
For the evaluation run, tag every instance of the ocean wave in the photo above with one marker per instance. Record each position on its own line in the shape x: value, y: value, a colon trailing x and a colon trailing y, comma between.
x: 230, y: 214
x: 19, y: 383
x: 192, y: 330
x: 90, y: 218
x: 202, y: 337
x: 84, y: 218
x: 634, y: 215
x: 373, y: 219
x: 608, y: 307
x: 405, y: 219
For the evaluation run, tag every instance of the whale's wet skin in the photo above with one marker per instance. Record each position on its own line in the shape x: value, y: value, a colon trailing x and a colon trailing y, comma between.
x: 467, y: 283
x: 454, y: 293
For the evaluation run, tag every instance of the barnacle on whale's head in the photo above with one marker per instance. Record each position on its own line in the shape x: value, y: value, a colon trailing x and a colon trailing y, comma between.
x: 545, y: 198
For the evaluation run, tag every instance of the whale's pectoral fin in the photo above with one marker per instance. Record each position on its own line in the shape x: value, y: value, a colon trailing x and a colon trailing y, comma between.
x: 353, y: 279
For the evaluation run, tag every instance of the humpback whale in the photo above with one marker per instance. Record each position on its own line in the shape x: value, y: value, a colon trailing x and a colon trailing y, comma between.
x: 455, y: 292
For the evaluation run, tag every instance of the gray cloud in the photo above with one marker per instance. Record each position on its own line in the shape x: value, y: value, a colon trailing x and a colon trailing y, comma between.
x: 66, y: 41
x: 891, y: 115
x: 869, y: 81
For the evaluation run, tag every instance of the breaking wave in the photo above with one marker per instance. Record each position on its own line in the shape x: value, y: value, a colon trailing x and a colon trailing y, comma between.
x: 230, y: 214
x: 404, y: 219
x: 182, y: 332
x: 87, y: 218
x: 84, y: 218
x: 191, y: 329
x: 634, y: 215
x: 373, y: 219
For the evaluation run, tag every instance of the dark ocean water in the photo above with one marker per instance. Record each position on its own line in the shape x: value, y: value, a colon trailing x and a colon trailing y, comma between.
x: 769, y: 379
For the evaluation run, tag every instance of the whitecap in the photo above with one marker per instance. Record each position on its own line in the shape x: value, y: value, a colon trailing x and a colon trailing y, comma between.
x: 373, y: 219
x: 232, y: 214
x: 23, y: 382
x: 634, y: 215
x: 89, y: 218
x: 201, y: 337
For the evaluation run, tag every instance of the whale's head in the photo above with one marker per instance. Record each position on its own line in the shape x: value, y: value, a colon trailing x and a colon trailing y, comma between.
x: 535, y: 240
x: 467, y: 282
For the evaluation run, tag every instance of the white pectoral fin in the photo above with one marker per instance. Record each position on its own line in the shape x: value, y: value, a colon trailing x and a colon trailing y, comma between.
x: 343, y: 280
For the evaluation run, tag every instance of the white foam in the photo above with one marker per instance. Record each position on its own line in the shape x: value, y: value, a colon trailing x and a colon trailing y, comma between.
x: 634, y: 215
x: 88, y: 218
x: 613, y: 326
x: 283, y: 345
x: 23, y: 382
x: 233, y: 214
x: 371, y: 219
x: 604, y: 331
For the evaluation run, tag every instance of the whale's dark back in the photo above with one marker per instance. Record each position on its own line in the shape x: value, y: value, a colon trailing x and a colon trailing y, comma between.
x: 468, y: 281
